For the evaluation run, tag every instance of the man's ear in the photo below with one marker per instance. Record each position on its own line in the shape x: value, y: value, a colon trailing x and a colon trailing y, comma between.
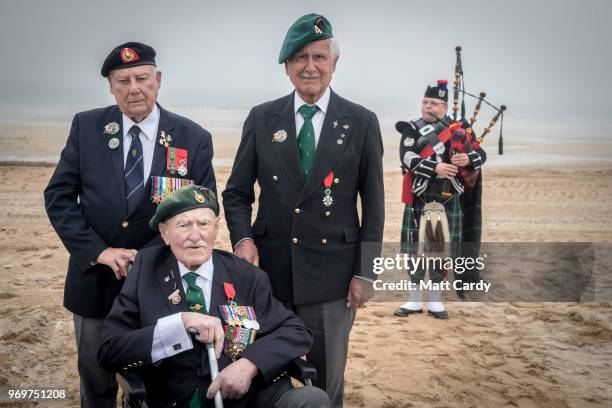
x: 158, y: 78
x: 163, y: 231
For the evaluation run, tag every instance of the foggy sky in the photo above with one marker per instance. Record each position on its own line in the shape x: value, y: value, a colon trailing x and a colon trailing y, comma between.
x: 548, y: 59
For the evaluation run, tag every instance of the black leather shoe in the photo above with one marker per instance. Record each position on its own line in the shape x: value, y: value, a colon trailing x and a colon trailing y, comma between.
x: 443, y: 315
x: 401, y: 312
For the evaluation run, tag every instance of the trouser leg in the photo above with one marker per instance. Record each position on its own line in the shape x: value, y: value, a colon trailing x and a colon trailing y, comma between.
x: 330, y: 324
x: 98, y: 387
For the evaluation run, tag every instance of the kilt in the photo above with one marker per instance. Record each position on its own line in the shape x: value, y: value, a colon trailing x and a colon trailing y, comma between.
x: 412, y: 215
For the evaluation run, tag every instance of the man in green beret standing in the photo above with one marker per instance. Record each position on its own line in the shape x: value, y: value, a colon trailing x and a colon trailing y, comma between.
x: 312, y: 152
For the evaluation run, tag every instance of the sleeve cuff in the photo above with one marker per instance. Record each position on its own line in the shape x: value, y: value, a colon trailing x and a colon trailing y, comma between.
x: 169, y: 338
x: 243, y: 239
x: 475, y: 159
x: 425, y: 168
x: 364, y: 278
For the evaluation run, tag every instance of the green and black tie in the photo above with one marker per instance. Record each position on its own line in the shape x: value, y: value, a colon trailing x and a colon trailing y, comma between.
x: 194, y: 297
x: 306, y: 138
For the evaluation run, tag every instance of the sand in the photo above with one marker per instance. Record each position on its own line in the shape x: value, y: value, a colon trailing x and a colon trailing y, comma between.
x: 509, y: 354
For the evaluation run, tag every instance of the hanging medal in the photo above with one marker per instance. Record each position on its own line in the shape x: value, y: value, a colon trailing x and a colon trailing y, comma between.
x: 176, y: 161
x: 328, y: 200
x: 240, y: 324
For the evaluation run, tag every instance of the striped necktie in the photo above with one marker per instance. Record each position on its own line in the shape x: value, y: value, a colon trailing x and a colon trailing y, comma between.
x: 134, y: 171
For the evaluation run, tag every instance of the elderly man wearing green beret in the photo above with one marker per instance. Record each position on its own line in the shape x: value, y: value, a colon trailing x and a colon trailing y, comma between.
x: 184, y: 294
x: 312, y: 153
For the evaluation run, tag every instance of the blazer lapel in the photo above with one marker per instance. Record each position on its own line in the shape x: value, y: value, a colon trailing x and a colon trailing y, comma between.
x: 217, y: 296
x: 286, y: 151
x: 169, y: 279
x: 335, y: 134
x: 116, y: 155
x: 159, y: 152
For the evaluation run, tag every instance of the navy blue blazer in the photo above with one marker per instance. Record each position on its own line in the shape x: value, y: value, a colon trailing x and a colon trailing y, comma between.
x: 311, y: 251
x: 145, y: 298
x: 85, y: 200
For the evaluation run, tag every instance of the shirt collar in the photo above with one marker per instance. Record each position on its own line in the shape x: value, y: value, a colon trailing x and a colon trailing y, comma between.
x: 205, y: 270
x: 148, y: 126
x: 321, y: 103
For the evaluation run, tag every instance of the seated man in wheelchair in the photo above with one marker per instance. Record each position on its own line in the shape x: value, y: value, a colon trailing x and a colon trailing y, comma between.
x: 180, y: 296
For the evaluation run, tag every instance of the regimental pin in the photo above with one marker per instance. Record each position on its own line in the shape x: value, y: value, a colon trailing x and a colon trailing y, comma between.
x: 167, y: 279
x: 175, y: 297
x: 335, y: 124
x: 339, y: 141
x: 111, y: 128
x: 408, y: 141
x: 279, y: 136
x: 113, y: 143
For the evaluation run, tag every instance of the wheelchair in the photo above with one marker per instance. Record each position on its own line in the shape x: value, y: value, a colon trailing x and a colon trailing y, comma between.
x: 134, y: 394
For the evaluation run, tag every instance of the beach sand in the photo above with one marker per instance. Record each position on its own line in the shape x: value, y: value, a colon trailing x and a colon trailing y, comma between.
x: 508, y: 354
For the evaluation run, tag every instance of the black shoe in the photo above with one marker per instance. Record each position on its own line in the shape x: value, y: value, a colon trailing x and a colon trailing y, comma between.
x: 401, y: 312
x: 443, y: 315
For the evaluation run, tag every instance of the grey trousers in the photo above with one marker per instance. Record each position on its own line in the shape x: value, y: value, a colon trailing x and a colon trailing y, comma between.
x: 303, y: 397
x: 330, y: 324
x: 98, y: 388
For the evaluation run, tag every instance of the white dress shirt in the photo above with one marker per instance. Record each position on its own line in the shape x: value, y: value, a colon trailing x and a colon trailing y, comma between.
x: 317, y: 119
x: 170, y: 336
x: 148, y: 134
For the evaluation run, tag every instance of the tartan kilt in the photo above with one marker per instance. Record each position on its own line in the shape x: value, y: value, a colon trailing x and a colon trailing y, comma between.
x: 412, y: 215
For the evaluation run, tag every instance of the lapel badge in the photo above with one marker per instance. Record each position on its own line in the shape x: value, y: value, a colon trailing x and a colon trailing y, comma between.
x: 164, y: 139
x: 167, y: 279
x: 113, y: 143
x: 280, y: 136
x: 408, y: 141
x: 111, y: 128
x: 175, y: 297
x: 335, y: 124
x: 346, y: 127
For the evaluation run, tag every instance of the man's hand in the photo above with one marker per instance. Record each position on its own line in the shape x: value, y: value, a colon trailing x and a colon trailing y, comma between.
x: 234, y: 380
x: 360, y: 291
x: 460, y: 159
x: 247, y: 250
x: 117, y: 259
x: 446, y: 170
x: 208, y: 329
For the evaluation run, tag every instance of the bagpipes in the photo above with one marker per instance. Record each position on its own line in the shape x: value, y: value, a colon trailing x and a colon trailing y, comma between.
x: 463, y: 139
x: 459, y: 88
x: 460, y: 132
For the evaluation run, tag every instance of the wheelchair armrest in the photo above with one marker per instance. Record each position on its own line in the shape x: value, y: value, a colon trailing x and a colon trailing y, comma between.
x: 302, y: 370
x: 132, y: 385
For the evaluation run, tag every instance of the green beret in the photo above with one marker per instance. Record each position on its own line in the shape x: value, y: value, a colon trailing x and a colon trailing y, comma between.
x: 184, y: 199
x: 307, y: 29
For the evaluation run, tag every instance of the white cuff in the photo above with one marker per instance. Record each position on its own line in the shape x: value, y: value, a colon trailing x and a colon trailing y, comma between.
x: 170, y: 338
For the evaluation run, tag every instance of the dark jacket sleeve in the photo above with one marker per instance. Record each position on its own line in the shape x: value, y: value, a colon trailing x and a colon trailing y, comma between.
x: 239, y: 195
x: 202, y: 169
x: 124, y: 341
x: 282, y: 337
x: 61, y: 203
x: 372, y: 194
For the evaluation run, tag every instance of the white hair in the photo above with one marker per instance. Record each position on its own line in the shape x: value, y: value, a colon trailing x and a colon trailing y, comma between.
x: 334, y: 48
